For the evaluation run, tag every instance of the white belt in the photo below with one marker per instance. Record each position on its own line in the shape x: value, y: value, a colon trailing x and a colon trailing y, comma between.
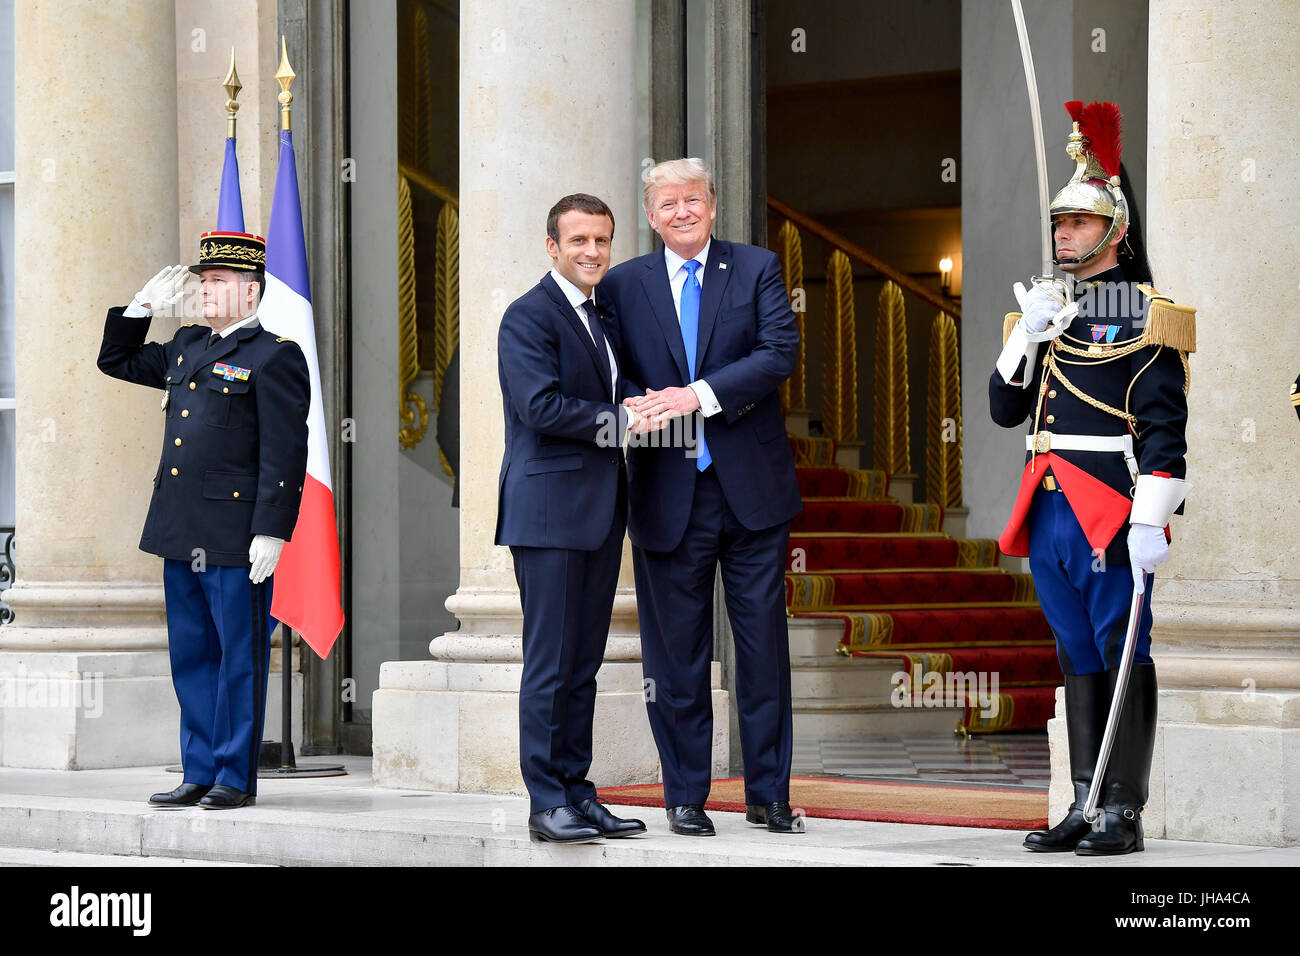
x: 1045, y: 441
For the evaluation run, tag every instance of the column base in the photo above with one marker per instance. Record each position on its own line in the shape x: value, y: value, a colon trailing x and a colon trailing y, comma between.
x: 89, y: 710
x: 454, y: 726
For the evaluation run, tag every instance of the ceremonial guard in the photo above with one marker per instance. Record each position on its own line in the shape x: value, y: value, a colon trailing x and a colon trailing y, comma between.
x: 1097, y: 362
x: 225, y: 499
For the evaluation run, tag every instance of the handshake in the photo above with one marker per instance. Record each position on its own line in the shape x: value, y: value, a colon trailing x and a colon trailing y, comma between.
x: 655, y: 409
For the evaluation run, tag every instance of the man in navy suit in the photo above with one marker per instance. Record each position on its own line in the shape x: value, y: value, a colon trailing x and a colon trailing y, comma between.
x: 705, y: 334
x: 562, y: 510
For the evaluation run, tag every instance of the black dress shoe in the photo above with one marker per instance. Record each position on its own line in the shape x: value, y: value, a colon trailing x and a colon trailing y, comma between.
x: 594, y: 812
x: 186, y: 795
x: 562, y: 825
x: 222, y: 797
x: 776, y: 816
x: 689, y: 820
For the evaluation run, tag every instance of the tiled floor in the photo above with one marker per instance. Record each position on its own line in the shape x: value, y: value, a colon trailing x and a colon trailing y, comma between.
x: 1005, y: 760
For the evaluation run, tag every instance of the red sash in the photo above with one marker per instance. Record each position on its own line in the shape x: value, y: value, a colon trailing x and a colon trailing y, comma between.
x: 1101, y: 509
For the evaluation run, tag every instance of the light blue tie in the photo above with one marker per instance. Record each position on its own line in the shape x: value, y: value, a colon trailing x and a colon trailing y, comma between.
x: 690, y: 338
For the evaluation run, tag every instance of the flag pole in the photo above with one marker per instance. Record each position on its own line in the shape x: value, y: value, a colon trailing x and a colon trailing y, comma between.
x: 288, y: 766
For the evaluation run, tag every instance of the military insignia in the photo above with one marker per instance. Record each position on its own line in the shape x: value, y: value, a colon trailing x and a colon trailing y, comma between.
x: 231, y: 373
x: 1104, y: 333
x: 166, y: 395
x: 179, y: 359
x: 282, y: 339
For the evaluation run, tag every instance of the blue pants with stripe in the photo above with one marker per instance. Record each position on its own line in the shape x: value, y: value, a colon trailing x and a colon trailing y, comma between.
x: 219, y: 636
x: 1086, y: 601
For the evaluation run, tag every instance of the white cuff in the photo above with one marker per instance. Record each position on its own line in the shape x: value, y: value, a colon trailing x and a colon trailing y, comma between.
x: 1156, y: 499
x: 135, y: 310
x: 1018, y: 346
x: 708, y: 401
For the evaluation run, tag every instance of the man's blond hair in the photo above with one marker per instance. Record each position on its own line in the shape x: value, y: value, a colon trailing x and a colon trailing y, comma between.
x: 678, y: 172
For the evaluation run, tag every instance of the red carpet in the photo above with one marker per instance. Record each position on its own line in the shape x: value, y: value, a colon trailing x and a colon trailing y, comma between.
x: 904, y: 590
x: 954, y: 806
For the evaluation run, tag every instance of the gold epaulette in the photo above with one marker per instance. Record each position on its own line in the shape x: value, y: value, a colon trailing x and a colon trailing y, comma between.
x: 1168, y: 323
x: 1008, y: 324
x: 285, y: 339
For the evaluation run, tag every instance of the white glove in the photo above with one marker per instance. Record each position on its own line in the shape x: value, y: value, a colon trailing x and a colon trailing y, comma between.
x: 1147, y: 548
x: 164, y: 290
x: 1044, y: 311
x: 264, y: 554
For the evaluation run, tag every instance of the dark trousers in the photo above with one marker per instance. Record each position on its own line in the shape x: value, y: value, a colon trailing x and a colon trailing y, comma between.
x: 568, y: 598
x: 1085, y: 601
x: 219, y: 637
x: 675, y: 604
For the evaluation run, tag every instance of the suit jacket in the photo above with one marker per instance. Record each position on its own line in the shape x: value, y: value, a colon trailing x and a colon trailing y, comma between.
x: 234, y: 440
x: 563, y: 459
x: 747, y: 344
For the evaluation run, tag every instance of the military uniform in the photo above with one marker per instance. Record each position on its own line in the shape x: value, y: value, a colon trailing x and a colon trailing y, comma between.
x: 1105, y: 396
x: 233, y: 463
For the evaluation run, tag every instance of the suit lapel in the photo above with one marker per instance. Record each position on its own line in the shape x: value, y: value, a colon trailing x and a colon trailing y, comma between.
x: 571, y: 317
x: 717, y: 273
x: 660, y: 294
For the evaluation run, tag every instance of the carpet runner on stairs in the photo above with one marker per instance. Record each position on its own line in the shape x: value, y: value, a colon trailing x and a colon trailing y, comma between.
x: 903, y: 590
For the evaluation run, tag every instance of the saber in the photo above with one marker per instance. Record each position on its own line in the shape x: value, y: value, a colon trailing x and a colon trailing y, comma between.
x: 1036, y: 115
x: 1116, y: 703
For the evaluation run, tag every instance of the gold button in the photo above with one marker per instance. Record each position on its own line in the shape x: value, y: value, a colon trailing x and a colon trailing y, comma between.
x: 185, y: 413
x: 1051, y: 393
x: 1050, y: 419
x: 178, y: 441
x: 175, y: 471
x: 192, y: 386
x: 236, y: 494
x: 224, y: 391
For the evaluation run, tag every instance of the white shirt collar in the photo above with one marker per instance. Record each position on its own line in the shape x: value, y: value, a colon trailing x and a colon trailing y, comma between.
x: 229, y: 329
x: 571, y: 291
x: 674, y: 261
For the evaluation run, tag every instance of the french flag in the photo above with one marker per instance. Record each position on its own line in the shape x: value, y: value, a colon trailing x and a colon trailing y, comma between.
x: 307, y: 589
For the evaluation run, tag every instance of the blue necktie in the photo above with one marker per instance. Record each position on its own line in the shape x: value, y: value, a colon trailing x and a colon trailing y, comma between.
x: 690, y: 310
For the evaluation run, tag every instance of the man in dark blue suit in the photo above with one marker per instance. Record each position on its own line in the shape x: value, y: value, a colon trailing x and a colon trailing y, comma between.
x: 705, y: 334
x: 562, y: 510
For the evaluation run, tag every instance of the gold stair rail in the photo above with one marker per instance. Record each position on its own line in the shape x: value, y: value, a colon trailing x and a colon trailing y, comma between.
x: 412, y: 410
x: 890, y: 448
x: 794, y: 392
x: 858, y: 254
x: 943, y: 416
x: 840, y: 361
x: 446, y: 304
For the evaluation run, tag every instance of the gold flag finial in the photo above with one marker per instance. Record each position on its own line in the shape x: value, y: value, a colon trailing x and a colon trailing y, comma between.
x: 284, y: 75
x: 232, y: 87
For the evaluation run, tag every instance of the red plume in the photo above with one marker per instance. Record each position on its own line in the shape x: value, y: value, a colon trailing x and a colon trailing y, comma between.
x: 1100, y: 126
x: 1075, y: 109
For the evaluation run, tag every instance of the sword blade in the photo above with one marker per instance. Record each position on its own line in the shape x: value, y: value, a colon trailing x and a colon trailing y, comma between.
x: 1036, y: 115
x: 1116, y: 705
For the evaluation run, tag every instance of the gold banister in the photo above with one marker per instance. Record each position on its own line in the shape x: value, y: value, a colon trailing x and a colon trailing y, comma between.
x: 890, y: 451
x: 943, y: 416
x: 794, y: 393
x: 840, y: 360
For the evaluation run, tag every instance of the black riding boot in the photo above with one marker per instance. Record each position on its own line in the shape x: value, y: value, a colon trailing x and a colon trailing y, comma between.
x: 1087, y: 700
x: 1128, y: 772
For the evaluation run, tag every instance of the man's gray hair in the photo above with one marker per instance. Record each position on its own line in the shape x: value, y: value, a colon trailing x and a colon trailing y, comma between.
x: 679, y: 172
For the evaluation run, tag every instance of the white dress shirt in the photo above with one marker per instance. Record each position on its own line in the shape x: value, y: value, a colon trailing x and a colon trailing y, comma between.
x: 677, y: 274
x: 576, y: 298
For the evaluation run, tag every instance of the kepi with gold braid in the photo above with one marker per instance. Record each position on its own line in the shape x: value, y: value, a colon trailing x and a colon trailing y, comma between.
x: 231, y: 250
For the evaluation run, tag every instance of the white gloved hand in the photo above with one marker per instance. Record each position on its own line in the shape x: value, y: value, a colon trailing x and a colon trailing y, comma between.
x: 1147, y: 548
x: 163, y: 290
x: 1044, y: 311
x: 264, y: 555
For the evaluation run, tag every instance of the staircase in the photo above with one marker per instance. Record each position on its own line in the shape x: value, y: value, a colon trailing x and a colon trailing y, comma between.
x: 875, y: 589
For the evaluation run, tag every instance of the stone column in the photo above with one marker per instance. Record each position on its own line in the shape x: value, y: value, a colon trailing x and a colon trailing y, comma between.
x: 548, y: 108
x: 1222, y: 238
x: 84, y: 676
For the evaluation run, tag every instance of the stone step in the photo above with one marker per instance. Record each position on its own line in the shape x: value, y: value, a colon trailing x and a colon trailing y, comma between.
x: 856, y: 718
x: 814, y: 637
x: 837, y: 677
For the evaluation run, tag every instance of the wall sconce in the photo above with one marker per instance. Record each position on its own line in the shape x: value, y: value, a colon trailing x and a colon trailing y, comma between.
x: 945, y: 275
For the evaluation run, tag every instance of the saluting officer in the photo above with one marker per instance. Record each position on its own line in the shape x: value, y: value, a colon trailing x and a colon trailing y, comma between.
x: 225, y: 499
x: 1102, y: 375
